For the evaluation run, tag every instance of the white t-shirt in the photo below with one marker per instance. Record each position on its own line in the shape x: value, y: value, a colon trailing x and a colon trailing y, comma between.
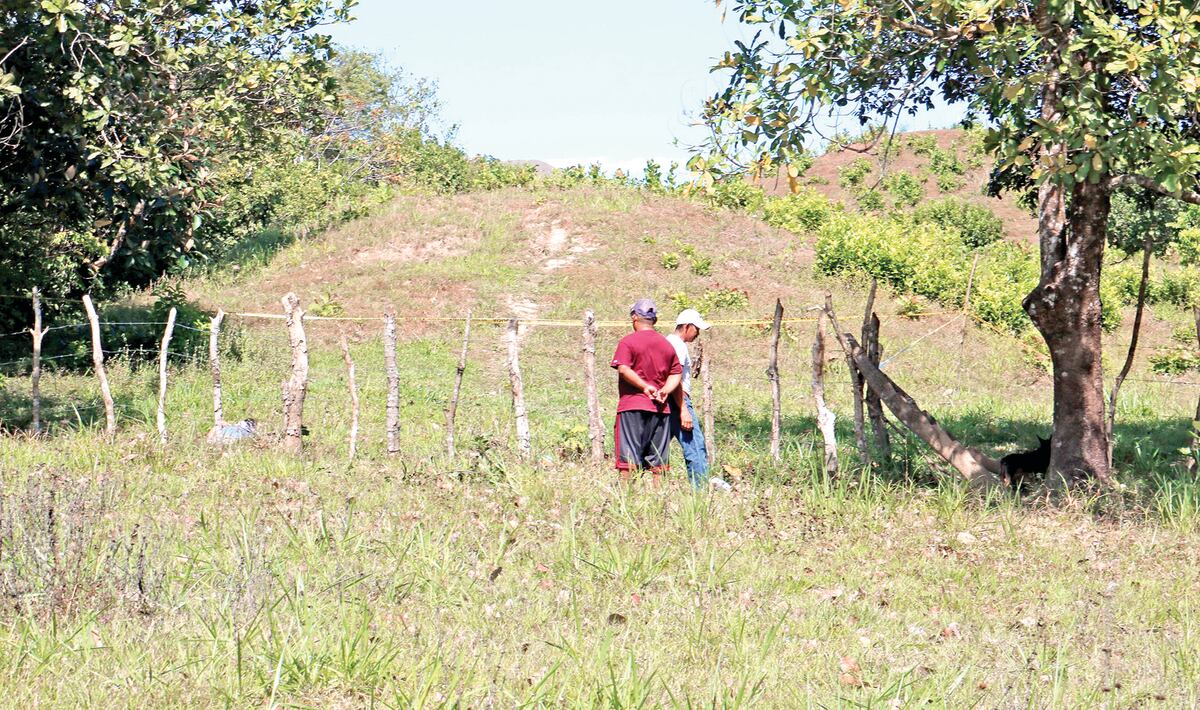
x: 685, y: 359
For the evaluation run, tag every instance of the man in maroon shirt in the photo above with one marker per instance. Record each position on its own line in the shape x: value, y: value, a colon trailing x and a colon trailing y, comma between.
x: 648, y: 372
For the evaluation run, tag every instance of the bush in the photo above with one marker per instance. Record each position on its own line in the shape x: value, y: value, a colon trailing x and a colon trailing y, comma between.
x: 906, y: 190
x: 712, y: 299
x: 736, y: 194
x: 853, y: 175
x: 929, y: 260
x: 804, y: 211
x: 977, y: 225
x: 487, y: 173
x: 948, y: 182
x: 702, y: 265
x: 923, y: 145
x: 869, y: 200
x: 1188, y: 245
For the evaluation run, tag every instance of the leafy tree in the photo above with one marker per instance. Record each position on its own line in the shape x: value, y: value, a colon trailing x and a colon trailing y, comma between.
x: 114, y: 115
x: 1079, y: 98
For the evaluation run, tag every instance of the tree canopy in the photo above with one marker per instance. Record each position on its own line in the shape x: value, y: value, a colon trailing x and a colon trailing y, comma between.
x: 1080, y: 98
x: 114, y: 114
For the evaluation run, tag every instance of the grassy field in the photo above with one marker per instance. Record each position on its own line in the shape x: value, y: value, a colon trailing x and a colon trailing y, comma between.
x: 134, y: 574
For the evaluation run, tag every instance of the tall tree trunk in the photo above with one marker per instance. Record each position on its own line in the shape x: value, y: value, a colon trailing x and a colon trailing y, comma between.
x: 1065, y: 308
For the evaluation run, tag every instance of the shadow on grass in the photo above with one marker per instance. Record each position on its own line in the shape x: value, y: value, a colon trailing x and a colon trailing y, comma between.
x: 1146, y: 450
x: 74, y: 411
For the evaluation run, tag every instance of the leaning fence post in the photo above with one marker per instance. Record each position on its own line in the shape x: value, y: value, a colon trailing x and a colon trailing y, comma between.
x: 36, y: 375
x: 703, y: 356
x: 110, y: 416
x: 162, y: 376
x: 518, y: 389
x: 214, y: 363
x: 773, y: 376
x: 595, y: 429
x: 353, y: 397
x: 393, y: 379
x: 452, y: 409
x: 296, y: 386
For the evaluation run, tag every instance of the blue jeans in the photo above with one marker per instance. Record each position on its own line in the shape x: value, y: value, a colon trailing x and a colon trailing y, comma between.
x: 692, y: 443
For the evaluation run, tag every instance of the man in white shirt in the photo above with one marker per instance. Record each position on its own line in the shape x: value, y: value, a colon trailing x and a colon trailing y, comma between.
x: 684, y: 427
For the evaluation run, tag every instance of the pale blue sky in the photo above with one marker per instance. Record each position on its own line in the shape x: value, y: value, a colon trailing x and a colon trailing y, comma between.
x: 565, y: 81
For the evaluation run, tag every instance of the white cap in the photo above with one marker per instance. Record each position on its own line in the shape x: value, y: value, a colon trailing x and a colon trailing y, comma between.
x: 691, y: 316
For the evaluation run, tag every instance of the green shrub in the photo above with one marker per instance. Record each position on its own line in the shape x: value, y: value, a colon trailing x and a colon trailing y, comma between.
x: 906, y: 190
x: 1188, y: 245
x: 487, y: 173
x: 670, y: 260
x: 804, y: 211
x: 736, y: 194
x: 922, y: 145
x: 948, y: 182
x: 712, y: 299
x: 946, y: 162
x: 977, y: 225
x: 1178, y: 288
x: 929, y: 260
x: 853, y: 175
x: 702, y: 265
x: 1174, y: 362
x: 869, y: 200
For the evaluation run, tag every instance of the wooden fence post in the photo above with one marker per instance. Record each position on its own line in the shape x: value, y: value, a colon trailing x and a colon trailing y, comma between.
x: 1191, y: 462
x: 704, y: 354
x: 214, y: 364
x: 393, y: 379
x: 353, y: 397
x: 162, y: 376
x: 518, y: 390
x: 856, y: 394
x: 110, y: 415
x: 595, y: 429
x: 773, y: 376
x: 38, y: 332
x: 452, y: 409
x: 296, y: 386
x: 825, y: 416
x: 966, y: 313
x: 883, y: 442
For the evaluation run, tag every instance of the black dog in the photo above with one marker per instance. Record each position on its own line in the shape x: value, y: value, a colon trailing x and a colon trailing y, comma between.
x: 1020, y: 465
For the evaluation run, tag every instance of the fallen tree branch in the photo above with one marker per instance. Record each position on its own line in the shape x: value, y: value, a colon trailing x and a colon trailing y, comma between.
x: 976, y: 467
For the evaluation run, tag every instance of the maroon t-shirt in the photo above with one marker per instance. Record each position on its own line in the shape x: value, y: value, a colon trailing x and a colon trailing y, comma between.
x: 653, y: 358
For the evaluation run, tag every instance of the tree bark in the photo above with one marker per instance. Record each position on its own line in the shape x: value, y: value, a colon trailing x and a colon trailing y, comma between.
x: 214, y: 363
x: 110, y: 415
x: 1192, y: 464
x: 353, y: 386
x: 595, y: 428
x: 393, y: 381
x: 773, y: 376
x: 35, y: 376
x: 1133, y: 342
x: 163, y: 352
x: 296, y: 387
x: 1065, y: 308
x: 518, y: 390
x: 883, y: 441
x: 452, y: 409
x: 825, y: 416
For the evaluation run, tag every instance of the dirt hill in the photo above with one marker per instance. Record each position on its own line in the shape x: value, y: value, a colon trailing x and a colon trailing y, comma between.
x: 823, y: 176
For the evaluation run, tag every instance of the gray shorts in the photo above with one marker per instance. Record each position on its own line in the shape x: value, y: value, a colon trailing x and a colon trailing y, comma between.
x: 642, y: 439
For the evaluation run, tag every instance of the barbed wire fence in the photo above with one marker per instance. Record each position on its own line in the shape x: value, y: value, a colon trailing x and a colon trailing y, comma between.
x: 295, y: 389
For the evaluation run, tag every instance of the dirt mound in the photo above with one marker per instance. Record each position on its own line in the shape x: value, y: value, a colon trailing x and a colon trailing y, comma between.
x: 823, y: 176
